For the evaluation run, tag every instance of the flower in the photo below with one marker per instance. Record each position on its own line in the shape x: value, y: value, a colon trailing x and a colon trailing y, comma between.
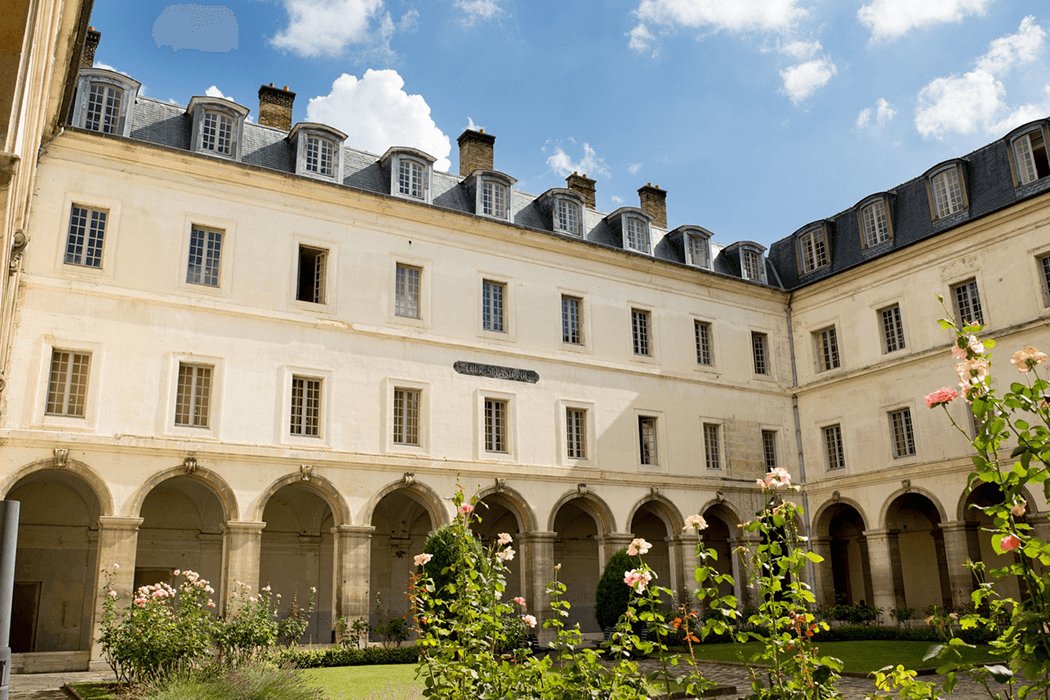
x: 177, y: 572
x: 1018, y: 509
x: 519, y: 600
x: 1010, y: 543
x: 776, y: 478
x: 972, y: 373
x: 637, y: 579
x: 941, y: 397
x: 529, y: 620
x: 116, y: 565
x: 211, y: 603
x: 959, y: 353
x: 1026, y: 359
x: 422, y: 559
x: 113, y: 595
x: 504, y: 539
x: 974, y: 345
x: 466, y: 509
x: 695, y: 522
x: 506, y: 554
x: 638, y: 547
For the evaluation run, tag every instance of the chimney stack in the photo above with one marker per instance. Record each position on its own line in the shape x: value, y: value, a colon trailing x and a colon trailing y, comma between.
x: 275, y: 107
x: 87, y: 56
x: 583, y: 186
x: 475, y: 151
x: 654, y: 203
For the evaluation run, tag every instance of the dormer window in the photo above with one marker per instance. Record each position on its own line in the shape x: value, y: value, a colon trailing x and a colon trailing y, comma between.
x: 696, y: 244
x: 408, y: 170
x: 946, y: 191
x: 1028, y: 148
x: 217, y: 132
x: 875, y: 226
x: 411, y: 179
x: 318, y: 150
x: 567, y: 216
x: 217, y: 126
x: 491, y: 193
x: 104, y: 99
x: 749, y: 256
x: 636, y: 234
x: 812, y: 248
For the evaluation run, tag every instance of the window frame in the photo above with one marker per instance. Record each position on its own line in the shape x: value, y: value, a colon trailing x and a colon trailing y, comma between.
x: 494, y: 307
x: 392, y: 162
x: 766, y: 359
x: 580, y: 324
x: 510, y: 431
x: 193, y: 400
x: 702, y: 238
x: 893, y: 339
x: 836, y: 461
x: 322, y: 289
x: 902, y: 432
x: 207, y: 231
x: 45, y: 349
x: 703, y: 342
x: 563, y: 201
x: 973, y: 302
x: 480, y: 180
x: 826, y: 348
x: 932, y: 179
x: 770, y: 448
x: 107, y: 224
x: 642, y: 228
x: 812, y: 249
x: 288, y: 375
x: 86, y: 80
x: 66, y: 388
x: 389, y: 388
x: 714, y: 453
x: 642, y: 340
x: 199, y: 108
x: 1014, y: 138
x: 565, y: 458
x: 648, y: 455
x: 1042, y: 269
x: 868, y: 241
x: 167, y: 424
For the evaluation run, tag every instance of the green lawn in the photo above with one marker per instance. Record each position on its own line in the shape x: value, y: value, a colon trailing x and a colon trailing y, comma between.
x: 385, y: 682
x: 858, y: 657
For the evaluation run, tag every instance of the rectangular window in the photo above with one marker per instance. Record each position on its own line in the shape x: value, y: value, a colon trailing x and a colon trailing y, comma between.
x: 902, y: 434
x: 751, y: 265
x: 713, y: 445
x: 699, y: 251
x: 576, y: 433
x: 967, y: 302
x: 406, y: 416
x: 637, y: 234
x: 67, y: 383
x: 571, y: 320
x: 760, y: 352
x: 494, y: 199
x: 406, y: 291
x: 193, y: 395
x: 892, y: 329
x: 567, y: 217
x: 1044, y: 264
x: 87, y: 231
x: 411, y: 181
x: 640, y: 319
x: 813, y: 249
x: 833, y: 453
x: 320, y: 156
x: 1030, y: 157
x: 769, y: 449
x: 827, y: 349
x: 492, y: 306
x: 217, y: 133
x: 874, y: 223
x: 103, y: 108
x: 205, y: 254
x: 306, y: 406
x: 312, y: 264
x: 496, y: 425
x: 647, y: 440
x: 947, y: 192
x: 702, y: 335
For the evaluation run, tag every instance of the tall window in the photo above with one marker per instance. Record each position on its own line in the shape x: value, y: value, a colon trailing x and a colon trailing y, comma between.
x: 751, y: 265
x: 571, y: 319
x: 833, y: 452
x: 193, y: 395
x: 406, y: 416
x: 87, y: 230
x: 495, y: 199
x: 760, y: 352
x: 967, y: 302
x: 647, y: 440
x: 636, y: 234
x: 947, y: 192
x: 892, y: 328
x: 713, y: 445
x: 496, y: 415
x: 874, y: 223
x: 567, y: 216
x: 699, y: 251
x: 493, y: 310
x: 769, y: 449
x: 702, y: 334
x: 205, y: 253
x: 411, y: 178
x: 827, y: 349
x: 1030, y: 156
x: 217, y: 132
x: 306, y: 406
x: 901, y: 433
x: 1044, y: 263
x: 640, y: 322
x: 812, y: 249
x: 67, y: 383
x: 320, y: 156
x: 103, y: 108
x: 312, y: 272
x: 576, y: 433
x: 406, y: 291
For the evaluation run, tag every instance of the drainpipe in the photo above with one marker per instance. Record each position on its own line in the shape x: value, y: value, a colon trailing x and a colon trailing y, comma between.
x: 806, y: 521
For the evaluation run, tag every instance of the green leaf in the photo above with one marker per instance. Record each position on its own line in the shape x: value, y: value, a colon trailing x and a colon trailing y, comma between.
x: 1000, y: 673
x: 933, y: 652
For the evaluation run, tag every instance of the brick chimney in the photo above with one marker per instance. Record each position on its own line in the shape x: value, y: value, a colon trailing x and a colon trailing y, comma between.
x: 583, y: 186
x: 87, y: 56
x: 475, y: 151
x: 654, y: 203
x: 275, y: 106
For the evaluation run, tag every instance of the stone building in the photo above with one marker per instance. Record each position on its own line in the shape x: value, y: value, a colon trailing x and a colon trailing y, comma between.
x: 252, y: 350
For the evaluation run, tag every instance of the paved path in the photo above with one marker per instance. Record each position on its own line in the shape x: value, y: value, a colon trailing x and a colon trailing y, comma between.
x: 48, y: 686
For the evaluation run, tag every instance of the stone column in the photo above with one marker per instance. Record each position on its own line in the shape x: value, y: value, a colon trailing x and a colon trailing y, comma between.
x: 352, y: 571
x: 823, y: 574
x: 679, y: 569
x: 740, y: 549
x: 887, y: 580
x: 242, y: 543
x: 118, y: 539
x: 540, y: 567
x: 956, y: 553
x: 685, y: 545
x: 609, y: 544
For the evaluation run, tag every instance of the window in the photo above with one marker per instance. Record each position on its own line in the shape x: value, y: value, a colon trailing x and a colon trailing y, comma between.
x: 406, y: 416
x: 576, y: 433
x: 406, y: 291
x: 901, y: 432
x: 217, y: 132
x: 318, y: 150
x: 812, y: 249
x: 67, y: 383
x: 967, y: 302
x: 636, y: 234
x: 492, y: 306
x: 205, y: 254
x: 571, y: 320
x: 103, y: 100
x: 567, y: 216
x: 874, y: 223
x: 698, y: 251
x: 1030, y: 156
x: 319, y: 155
x: 1044, y: 263
x: 193, y: 395
x: 411, y: 179
x: 947, y: 193
x: 769, y: 449
x: 103, y: 108
x: 311, y: 285
x: 87, y: 229
x: 892, y: 329
x: 751, y: 265
x: 496, y: 415
x: 702, y: 333
x: 647, y: 440
x: 640, y: 322
x: 833, y: 452
x: 827, y: 349
x: 495, y: 199
x: 306, y: 406
x: 760, y: 352
x: 712, y: 445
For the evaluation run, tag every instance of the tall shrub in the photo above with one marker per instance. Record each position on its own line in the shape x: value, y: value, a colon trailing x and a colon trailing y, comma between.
x: 612, y: 597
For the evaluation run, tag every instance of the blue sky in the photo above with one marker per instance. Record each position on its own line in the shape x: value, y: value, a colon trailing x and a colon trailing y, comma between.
x: 757, y: 116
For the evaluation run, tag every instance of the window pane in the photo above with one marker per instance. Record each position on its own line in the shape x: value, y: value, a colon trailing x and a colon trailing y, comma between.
x: 833, y: 451
x: 702, y: 331
x: 967, y: 302
x: 570, y: 320
x: 67, y: 383
x: 712, y: 446
x: 637, y: 234
x: 640, y: 331
x: 901, y: 429
x: 87, y: 230
x: 647, y: 439
x: 751, y: 265
x: 494, y: 199
x: 406, y: 416
x: 205, y: 253
x: 319, y: 155
x: 103, y: 108
x: 875, y: 223
x: 947, y: 192
x: 699, y: 251
x: 567, y: 217
x: 411, y: 179
x: 495, y: 425
x: 312, y: 273
x: 193, y: 395
x: 769, y: 448
x: 406, y: 291
x: 306, y: 406
x: 576, y: 433
x: 492, y: 309
x: 217, y: 133
x: 828, y: 349
x: 760, y: 353
x: 892, y: 329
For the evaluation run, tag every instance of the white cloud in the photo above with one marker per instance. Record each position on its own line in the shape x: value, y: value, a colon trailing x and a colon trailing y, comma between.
x: 801, y: 50
x: 327, y: 27
x: 471, y: 124
x: 590, y: 163
x: 475, y: 11
x: 803, y: 79
x: 768, y: 16
x: 883, y: 113
x: 616, y: 199
x: 892, y: 19
x: 976, y: 100
x: 634, y: 168
x: 377, y: 113
x: 642, y: 40
x: 214, y: 91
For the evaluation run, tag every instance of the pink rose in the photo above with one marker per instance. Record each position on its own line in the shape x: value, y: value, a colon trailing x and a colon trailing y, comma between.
x: 638, y: 547
x: 506, y: 554
x: 941, y: 397
x: 504, y: 539
x: 1010, y: 543
x: 422, y: 559
x: 1026, y: 359
x: 695, y: 522
x: 529, y: 620
x: 466, y: 509
x: 519, y: 600
x: 1018, y: 509
x: 776, y: 478
x: 637, y: 579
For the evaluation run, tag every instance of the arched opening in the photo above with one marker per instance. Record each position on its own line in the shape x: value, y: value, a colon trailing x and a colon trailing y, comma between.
x: 721, y: 525
x: 979, y: 538
x: 402, y: 523
x: 648, y: 524
x: 182, y: 528
x: 921, y: 576
x: 576, y: 549
x: 54, y: 563
x: 843, y: 528
x: 497, y: 515
x: 298, y: 553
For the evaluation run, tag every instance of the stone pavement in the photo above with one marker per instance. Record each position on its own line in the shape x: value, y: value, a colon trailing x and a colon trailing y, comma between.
x: 48, y: 686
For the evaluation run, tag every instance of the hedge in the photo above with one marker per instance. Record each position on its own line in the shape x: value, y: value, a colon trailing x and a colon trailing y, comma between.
x: 850, y: 633
x: 348, y: 656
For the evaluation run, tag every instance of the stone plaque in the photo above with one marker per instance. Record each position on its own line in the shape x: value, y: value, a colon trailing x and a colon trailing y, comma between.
x: 476, y: 369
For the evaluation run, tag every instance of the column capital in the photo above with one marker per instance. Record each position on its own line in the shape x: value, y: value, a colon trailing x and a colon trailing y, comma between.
x: 884, y: 534
x: 117, y: 522
x: 539, y: 536
x: 244, y: 526
x: 956, y: 525
x: 360, y: 531
x: 617, y: 537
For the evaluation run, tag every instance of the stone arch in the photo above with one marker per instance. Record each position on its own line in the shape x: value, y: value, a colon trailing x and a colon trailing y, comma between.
x: 657, y: 520
x: 821, y: 514
x: 721, y: 535
x: 884, y: 511
x: 582, y: 522
x: 664, y: 509
x: 421, y: 493
x: 914, y: 521
x: 521, y: 508
x: 976, y: 530
x: 964, y: 512
x: 726, y: 510
x: 508, y: 512
x: 318, y: 485
x: 596, y: 507
x: 838, y: 536
x: 227, y: 498
x: 82, y: 470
